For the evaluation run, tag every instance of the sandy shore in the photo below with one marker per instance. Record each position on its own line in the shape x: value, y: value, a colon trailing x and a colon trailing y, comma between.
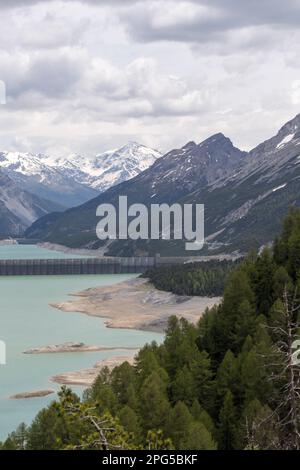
x: 86, y: 377
x: 136, y: 304
x: 73, y: 348
x: 36, y: 394
x: 133, y: 304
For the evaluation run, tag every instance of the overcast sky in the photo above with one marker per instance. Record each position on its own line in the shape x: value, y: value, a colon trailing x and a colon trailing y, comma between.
x: 85, y: 76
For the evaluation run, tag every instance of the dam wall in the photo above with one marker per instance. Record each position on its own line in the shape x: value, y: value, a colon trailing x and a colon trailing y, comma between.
x: 105, y: 265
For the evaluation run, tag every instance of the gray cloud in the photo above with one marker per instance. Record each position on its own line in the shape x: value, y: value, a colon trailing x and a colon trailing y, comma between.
x: 25, y: 3
x: 77, y: 81
x: 51, y: 74
x: 204, y: 21
x: 191, y: 21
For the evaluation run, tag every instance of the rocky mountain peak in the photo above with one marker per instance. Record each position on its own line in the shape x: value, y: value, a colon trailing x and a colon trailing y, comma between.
x: 241, y: 192
x: 218, y: 139
x: 272, y: 148
x: 190, y: 145
x: 292, y: 126
x: 75, y: 178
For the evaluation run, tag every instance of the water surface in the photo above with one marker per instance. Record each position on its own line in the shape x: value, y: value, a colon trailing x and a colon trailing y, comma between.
x: 27, y: 320
x: 32, y: 252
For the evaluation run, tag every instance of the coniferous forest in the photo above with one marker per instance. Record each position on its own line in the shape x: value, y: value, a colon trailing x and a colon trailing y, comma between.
x: 232, y: 381
x: 204, y: 279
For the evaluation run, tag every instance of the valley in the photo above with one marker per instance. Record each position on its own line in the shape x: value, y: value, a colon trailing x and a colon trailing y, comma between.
x: 35, y: 185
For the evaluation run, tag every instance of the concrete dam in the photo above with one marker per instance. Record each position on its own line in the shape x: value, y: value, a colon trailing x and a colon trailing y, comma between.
x: 105, y: 265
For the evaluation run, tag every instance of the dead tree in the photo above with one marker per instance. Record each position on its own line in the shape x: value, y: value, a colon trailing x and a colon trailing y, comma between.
x: 100, y: 425
x: 287, y: 371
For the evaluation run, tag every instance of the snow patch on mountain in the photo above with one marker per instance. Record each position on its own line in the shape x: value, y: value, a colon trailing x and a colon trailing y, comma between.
x: 75, y: 179
x: 285, y: 140
x: 279, y: 187
x: 109, y: 168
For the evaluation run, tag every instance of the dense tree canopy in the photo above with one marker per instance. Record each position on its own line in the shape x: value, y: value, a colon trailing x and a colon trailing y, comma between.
x: 227, y: 382
x: 199, y: 278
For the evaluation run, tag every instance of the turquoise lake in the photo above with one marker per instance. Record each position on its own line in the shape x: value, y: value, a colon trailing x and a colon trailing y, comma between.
x: 31, y: 252
x: 27, y: 320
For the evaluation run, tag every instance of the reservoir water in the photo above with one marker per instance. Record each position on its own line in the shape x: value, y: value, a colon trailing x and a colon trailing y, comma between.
x: 31, y: 252
x: 27, y: 320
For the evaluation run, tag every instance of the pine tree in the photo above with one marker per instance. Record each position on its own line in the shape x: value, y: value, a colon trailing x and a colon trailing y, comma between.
x: 203, y: 376
x: 154, y: 404
x: 227, y: 423
x: 178, y: 423
x: 263, y: 281
x: 130, y: 421
x: 199, y: 414
x: 123, y: 383
x: 184, y: 387
x: 227, y: 376
x: 197, y: 438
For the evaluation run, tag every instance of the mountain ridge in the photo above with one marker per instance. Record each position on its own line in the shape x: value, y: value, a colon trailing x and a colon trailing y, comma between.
x: 75, y: 179
x: 246, y: 195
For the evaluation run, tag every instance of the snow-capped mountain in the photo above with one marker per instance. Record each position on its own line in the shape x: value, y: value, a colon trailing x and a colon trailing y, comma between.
x: 169, y: 179
x: 75, y: 179
x: 106, y: 169
x: 246, y: 195
x: 31, y: 173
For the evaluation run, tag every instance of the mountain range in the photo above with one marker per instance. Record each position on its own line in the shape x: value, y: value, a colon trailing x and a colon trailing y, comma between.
x: 45, y: 184
x: 19, y: 208
x: 246, y: 195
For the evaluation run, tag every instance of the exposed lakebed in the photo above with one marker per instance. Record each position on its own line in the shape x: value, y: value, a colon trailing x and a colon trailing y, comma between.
x: 28, y: 321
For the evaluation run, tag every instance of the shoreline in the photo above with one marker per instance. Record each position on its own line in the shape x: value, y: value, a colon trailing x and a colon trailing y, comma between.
x: 74, y: 348
x: 101, y: 252
x: 136, y: 304
x: 73, y: 251
x: 86, y: 377
x: 34, y: 394
x: 132, y: 304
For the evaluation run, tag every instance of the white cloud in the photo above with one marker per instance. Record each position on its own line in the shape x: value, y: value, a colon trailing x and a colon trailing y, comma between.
x: 295, y: 95
x: 82, y: 76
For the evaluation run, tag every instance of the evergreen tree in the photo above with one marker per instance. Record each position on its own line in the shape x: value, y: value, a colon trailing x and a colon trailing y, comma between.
x: 197, y: 438
x: 154, y: 404
x: 184, y: 387
x: 123, y: 383
x: 227, y: 376
x: 129, y: 420
x: 230, y: 381
x: 263, y: 282
x: 199, y: 414
x: 227, y: 423
x: 178, y: 423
